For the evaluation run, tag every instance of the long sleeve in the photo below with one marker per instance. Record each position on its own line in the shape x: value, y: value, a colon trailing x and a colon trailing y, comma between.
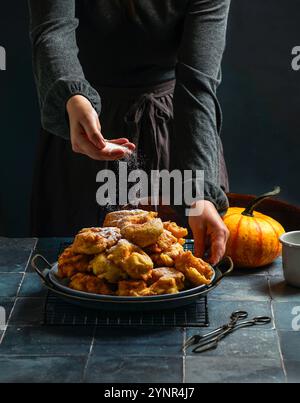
x: 58, y: 72
x: 197, y: 113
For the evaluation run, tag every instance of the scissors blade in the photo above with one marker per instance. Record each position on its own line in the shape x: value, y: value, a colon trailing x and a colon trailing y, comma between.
x: 210, y: 345
x: 191, y: 341
x: 196, y: 338
x: 213, y: 332
x: 215, y: 339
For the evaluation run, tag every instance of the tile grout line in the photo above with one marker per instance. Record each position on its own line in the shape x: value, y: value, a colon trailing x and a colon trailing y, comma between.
x: 183, y: 368
x: 89, y: 355
x: 279, y: 345
x: 49, y: 355
x: 277, y: 333
x: 268, y: 278
x: 184, y: 356
x: 19, y: 288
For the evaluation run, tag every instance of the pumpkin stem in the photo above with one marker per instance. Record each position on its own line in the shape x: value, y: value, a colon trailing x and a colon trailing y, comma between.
x: 250, y: 208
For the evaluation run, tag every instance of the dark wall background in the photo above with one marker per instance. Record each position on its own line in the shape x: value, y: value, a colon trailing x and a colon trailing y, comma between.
x: 19, y: 120
x: 259, y: 95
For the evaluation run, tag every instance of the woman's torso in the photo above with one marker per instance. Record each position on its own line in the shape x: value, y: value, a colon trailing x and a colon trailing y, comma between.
x: 122, y: 51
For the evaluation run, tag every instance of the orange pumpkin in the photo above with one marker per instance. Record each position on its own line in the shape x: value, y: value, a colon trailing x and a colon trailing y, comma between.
x: 254, y: 237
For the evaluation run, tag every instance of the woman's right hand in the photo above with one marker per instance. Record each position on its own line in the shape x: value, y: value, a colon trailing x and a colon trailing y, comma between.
x: 85, y: 132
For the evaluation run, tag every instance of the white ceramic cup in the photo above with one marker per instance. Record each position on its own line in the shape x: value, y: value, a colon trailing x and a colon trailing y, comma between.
x: 291, y: 257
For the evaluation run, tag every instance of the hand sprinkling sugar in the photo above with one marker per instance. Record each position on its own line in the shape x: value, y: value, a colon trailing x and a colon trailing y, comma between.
x: 113, y: 147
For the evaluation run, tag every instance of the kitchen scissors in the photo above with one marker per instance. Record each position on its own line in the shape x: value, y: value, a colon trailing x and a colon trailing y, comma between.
x: 210, y: 340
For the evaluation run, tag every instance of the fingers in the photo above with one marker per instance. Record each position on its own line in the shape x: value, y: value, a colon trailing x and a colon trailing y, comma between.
x: 110, y: 154
x: 85, y: 130
x: 81, y: 144
x: 209, y: 230
x: 101, y: 155
x: 199, y: 241
x: 120, y: 141
x: 86, y: 137
x: 91, y: 126
x: 84, y: 146
x: 123, y: 142
x: 219, y: 238
x: 83, y: 116
x: 130, y: 146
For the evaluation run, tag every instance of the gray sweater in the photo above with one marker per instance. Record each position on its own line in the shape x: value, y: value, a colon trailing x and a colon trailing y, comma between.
x: 81, y: 45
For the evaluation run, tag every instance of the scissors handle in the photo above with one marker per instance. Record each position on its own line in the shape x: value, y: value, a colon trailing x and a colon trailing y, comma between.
x: 234, y: 318
x: 257, y: 321
x: 262, y: 320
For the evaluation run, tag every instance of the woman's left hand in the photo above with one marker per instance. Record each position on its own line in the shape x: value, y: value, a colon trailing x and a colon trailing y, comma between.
x: 209, y: 230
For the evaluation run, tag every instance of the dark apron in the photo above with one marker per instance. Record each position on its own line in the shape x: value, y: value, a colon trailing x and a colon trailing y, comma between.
x: 64, y: 186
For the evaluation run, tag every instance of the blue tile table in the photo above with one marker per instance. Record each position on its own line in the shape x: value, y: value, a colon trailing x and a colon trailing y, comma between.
x: 33, y: 352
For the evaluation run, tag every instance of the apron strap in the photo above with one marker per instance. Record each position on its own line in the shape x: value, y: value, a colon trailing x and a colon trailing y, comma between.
x: 146, y: 114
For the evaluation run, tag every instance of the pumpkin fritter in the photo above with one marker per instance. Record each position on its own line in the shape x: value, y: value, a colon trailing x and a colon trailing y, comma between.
x: 140, y: 227
x: 144, y: 233
x: 104, y: 268
x: 196, y: 278
x: 176, y: 230
x: 169, y: 272
x: 117, y: 218
x: 89, y: 283
x: 132, y: 288
x: 70, y: 263
x: 167, y: 257
x: 196, y: 270
x: 165, y: 285
x: 132, y: 259
x: 91, y: 241
x: 164, y: 242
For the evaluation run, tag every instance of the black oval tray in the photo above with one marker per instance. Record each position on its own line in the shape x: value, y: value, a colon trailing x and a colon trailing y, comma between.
x: 115, y: 303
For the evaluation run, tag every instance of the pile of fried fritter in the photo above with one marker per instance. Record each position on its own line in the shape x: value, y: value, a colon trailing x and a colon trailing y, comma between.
x: 133, y: 254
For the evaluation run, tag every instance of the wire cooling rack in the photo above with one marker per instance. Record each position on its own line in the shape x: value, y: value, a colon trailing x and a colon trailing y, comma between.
x: 58, y: 312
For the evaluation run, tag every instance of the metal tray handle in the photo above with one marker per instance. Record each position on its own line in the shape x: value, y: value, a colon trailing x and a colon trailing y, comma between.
x: 42, y: 272
x: 226, y: 267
